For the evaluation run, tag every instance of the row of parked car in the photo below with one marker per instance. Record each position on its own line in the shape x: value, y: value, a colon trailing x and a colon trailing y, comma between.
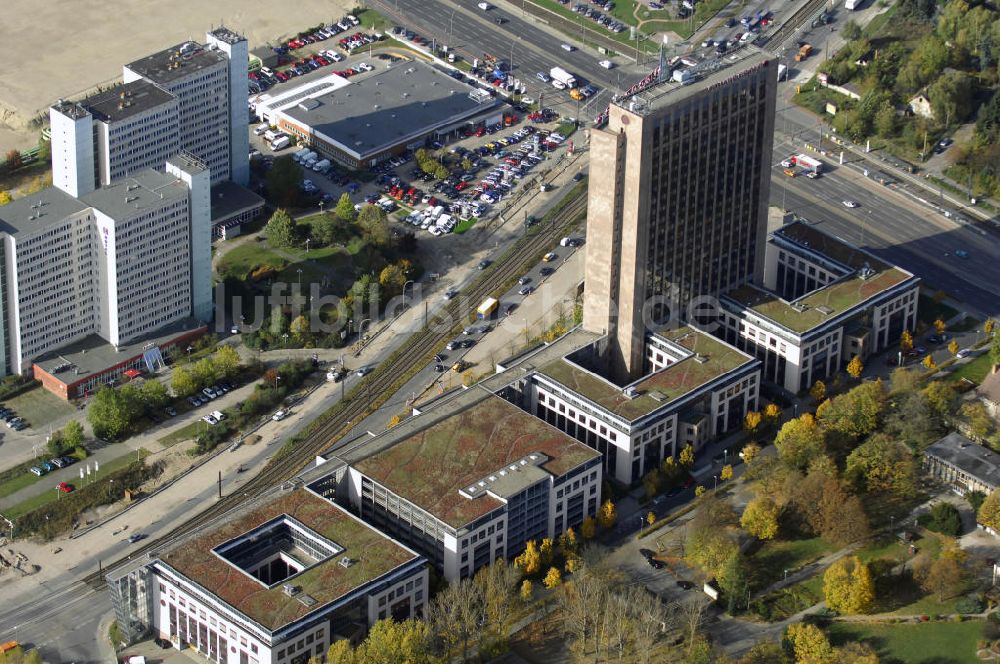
x: 324, y: 33
x: 52, y: 464
x: 11, y: 419
x: 606, y: 20
x: 209, y: 393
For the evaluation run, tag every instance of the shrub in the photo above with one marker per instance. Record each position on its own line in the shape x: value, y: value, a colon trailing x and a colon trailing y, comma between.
x: 970, y: 604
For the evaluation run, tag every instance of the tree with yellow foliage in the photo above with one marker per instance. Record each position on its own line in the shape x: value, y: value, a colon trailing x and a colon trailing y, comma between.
x: 750, y: 452
x: 809, y: 644
x: 928, y: 362
x: 552, y: 578
x: 726, y: 473
x: 988, y: 326
x: 686, y: 457
x: 752, y: 421
x: 5, y: 197
x: 818, y: 391
x: 953, y: 347
x: 855, y: 367
x: 651, y: 518
x: 760, y: 518
x: 530, y: 560
x: 848, y: 586
x: 546, y: 551
x: 772, y: 413
x: 608, y: 514
x: 939, y: 326
x: 699, y: 491
x: 906, y: 341
x: 527, y: 589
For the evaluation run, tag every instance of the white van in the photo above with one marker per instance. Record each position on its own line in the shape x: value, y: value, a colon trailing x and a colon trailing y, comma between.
x: 260, y: 129
x: 485, y: 6
x: 568, y: 47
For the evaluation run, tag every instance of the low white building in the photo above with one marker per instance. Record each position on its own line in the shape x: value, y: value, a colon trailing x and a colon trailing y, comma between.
x: 472, y: 479
x: 277, y: 583
x: 695, y: 388
x: 823, y: 301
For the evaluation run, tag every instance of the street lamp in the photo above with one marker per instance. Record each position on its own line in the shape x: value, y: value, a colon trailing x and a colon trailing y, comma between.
x: 716, y: 478
x: 299, y: 270
x: 786, y: 575
x: 408, y: 282
x: 277, y: 377
x: 284, y: 338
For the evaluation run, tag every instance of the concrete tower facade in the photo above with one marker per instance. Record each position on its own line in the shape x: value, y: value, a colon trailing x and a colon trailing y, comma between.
x: 195, y: 175
x: 236, y: 49
x: 678, y: 201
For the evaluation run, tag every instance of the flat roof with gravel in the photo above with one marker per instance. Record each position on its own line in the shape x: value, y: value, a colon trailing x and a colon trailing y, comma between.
x: 123, y: 101
x: 434, y: 465
x: 36, y: 212
x: 373, y: 555
x: 708, y: 359
x: 176, y: 62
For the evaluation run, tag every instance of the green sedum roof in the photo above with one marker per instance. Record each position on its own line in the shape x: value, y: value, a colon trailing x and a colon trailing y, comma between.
x: 712, y: 358
x: 430, y: 467
x: 374, y: 554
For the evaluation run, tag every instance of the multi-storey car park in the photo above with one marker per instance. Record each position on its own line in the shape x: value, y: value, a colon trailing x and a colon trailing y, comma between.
x: 822, y: 301
x: 275, y: 583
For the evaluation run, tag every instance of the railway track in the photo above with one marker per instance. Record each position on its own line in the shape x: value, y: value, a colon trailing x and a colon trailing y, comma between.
x: 420, y: 347
x: 794, y: 22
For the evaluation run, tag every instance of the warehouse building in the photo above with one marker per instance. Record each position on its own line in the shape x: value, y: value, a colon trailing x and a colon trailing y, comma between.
x: 375, y: 116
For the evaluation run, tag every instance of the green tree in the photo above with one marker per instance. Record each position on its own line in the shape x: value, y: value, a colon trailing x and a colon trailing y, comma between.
x: 204, y: 372
x: 989, y: 511
x: 940, y: 396
x: 978, y: 418
x: 345, y: 209
x: 944, y: 576
x: 466, y: 164
x: 226, y: 361
x: 952, y: 97
x: 183, y: 382
x: 855, y: 413
x: 850, y: 30
x: 299, y: 329
x: 410, y: 641
x: 944, y: 518
x: 284, y: 182
x: 72, y: 434
x: 109, y: 414
x: 326, y: 228
x: 975, y: 500
x: 882, y: 465
x: 154, y: 394
x: 392, y: 279
x: 995, y: 344
x: 441, y: 172
x: 280, y: 229
x: 372, y: 221
x: 760, y: 518
x: 848, y: 586
x: 733, y: 580
x: 799, y: 441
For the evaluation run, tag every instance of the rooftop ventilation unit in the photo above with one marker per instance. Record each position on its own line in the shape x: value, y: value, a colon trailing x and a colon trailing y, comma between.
x: 630, y: 392
x: 700, y: 359
x: 290, y: 589
x: 346, y: 562
x: 825, y: 310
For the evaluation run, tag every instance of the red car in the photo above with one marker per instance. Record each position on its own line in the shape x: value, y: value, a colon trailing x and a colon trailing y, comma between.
x: 321, y: 60
x: 282, y: 76
x: 65, y: 488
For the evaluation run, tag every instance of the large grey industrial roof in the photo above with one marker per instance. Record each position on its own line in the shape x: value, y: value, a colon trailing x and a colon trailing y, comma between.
x: 187, y: 56
x: 379, y: 111
x: 145, y: 190
x: 37, y: 211
x: 126, y: 100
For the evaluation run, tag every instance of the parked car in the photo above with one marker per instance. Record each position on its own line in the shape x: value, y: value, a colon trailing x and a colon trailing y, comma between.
x: 279, y: 415
x: 65, y: 488
x: 35, y: 470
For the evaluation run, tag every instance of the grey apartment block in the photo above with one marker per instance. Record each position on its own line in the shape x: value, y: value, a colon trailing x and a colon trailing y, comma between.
x: 678, y: 206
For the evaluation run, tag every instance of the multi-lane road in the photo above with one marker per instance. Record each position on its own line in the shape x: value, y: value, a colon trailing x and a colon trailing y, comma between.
x: 895, y: 226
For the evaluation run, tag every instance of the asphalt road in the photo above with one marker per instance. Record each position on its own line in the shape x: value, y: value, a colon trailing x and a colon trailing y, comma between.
x: 473, y: 32
x: 896, y: 232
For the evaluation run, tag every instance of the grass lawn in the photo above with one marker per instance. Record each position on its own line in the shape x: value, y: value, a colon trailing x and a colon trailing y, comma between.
x: 465, y: 225
x: 773, y: 558
x: 238, y: 262
x: 186, y: 432
x: 975, y: 370
x: 47, y: 497
x: 38, y: 406
x: 789, y: 601
x: 925, y: 643
x: 16, y: 483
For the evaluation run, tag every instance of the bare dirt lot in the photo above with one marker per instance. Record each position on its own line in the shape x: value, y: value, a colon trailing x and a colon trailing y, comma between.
x: 62, y: 48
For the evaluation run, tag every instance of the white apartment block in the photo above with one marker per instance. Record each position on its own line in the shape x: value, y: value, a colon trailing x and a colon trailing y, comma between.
x: 695, y: 388
x: 823, y: 301
x: 277, y: 583
x: 143, y: 225
x: 471, y: 480
x: 210, y: 84
x: 112, y: 134
x: 50, y: 266
x: 115, y: 262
